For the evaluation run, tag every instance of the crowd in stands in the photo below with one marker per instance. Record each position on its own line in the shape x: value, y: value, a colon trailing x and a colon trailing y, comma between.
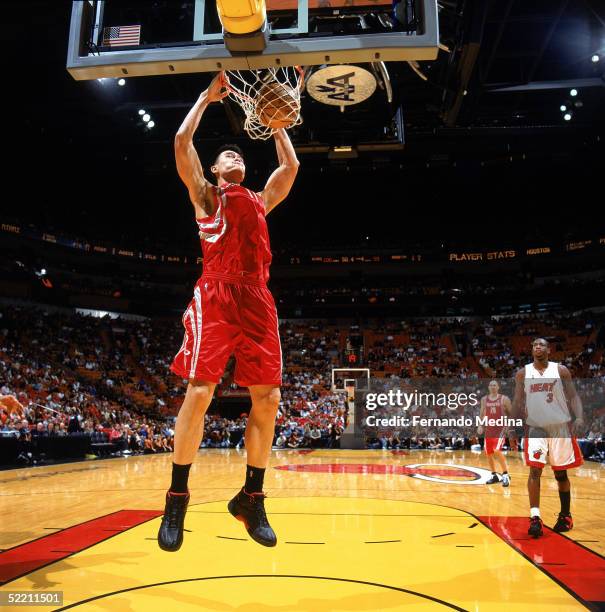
x: 500, y: 344
x: 416, y: 349
x: 108, y: 378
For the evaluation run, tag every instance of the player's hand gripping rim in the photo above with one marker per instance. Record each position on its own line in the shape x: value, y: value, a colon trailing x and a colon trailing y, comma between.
x: 218, y: 88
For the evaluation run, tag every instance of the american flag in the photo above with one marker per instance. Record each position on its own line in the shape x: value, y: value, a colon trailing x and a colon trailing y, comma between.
x: 121, y: 36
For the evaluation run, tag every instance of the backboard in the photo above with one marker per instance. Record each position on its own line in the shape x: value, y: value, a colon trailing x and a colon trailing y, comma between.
x: 345, y: 379
x: 184, y: 37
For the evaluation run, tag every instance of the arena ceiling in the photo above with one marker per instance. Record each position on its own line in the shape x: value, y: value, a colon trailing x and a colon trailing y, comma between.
x: 484, y: 133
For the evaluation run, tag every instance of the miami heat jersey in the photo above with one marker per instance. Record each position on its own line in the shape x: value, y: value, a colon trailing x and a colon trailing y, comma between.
x: 544, y: 396
x: 235, y: 240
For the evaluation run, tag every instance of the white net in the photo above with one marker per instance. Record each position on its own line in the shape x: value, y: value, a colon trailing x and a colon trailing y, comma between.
x: 270, y: 98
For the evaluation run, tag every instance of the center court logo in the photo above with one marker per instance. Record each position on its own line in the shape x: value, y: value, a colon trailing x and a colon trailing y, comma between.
x: 433, y: 472
x: 457, y: 474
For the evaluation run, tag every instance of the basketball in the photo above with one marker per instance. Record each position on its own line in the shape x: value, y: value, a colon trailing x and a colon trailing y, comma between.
x: 277, y: 105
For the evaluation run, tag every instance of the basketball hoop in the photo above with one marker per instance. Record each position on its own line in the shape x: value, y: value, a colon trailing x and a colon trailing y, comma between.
x: 270, y: 98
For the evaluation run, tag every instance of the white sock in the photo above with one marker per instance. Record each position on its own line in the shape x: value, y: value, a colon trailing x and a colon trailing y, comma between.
x: 534, y: 512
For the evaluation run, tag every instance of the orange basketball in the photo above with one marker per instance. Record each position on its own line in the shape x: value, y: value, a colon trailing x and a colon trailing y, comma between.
x: 277, y: 105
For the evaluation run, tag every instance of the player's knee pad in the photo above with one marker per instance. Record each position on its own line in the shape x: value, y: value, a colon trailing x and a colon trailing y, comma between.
x: 561, y: 475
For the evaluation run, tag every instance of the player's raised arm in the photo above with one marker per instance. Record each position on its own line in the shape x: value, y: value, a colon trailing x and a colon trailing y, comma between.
x: 188, y: 162
x: 280, y: 182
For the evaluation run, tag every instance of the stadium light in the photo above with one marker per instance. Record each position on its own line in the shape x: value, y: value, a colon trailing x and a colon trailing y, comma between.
x: 573, y: 93
x: 43, y: 271
x: 563, y: 108
x: 150, y: 124
x: 146, y: 117
x: 567, y: 116
x: 141, y: 112
x: 595, y: 58
x: 121, y: 82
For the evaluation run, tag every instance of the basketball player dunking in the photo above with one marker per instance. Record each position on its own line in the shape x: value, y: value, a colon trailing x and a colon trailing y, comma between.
x: 494, y: 406
x: 546, y: 390
x: 232, y: 311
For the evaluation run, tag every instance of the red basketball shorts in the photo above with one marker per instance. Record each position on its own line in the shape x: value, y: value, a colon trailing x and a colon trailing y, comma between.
x: 493, y: 444
x: 226, y: 318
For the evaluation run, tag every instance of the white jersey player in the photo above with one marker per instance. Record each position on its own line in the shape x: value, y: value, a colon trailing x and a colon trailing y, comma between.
x: 544, y: 391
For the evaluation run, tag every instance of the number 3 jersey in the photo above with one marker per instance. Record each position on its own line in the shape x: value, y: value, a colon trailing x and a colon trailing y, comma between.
x: 545, y: 399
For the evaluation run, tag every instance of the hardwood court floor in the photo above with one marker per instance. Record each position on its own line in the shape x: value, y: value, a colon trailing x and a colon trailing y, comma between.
x: 358, y: 530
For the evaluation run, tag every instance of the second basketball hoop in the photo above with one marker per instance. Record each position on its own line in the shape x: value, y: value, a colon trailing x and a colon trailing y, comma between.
x: 270, y: 98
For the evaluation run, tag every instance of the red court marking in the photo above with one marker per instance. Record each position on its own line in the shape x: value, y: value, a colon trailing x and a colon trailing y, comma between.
x: 30, y: 556
x: 376, y: 468
x: 582, y: 571
x: 400, y: 452
x: 305, y: 451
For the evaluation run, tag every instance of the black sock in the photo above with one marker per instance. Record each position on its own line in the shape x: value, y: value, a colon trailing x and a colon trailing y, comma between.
x: 494, y: 473
x: 254, y: 479
x: 505, y: 472
x: 565, y: 497
x: 180, y: 476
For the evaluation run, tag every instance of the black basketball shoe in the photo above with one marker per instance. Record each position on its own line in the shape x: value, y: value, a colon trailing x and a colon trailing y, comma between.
x: 564, y: 523
x: 250, y: 509
x: 535, y: 527
x: 494, y: 479
x: 170, y: 535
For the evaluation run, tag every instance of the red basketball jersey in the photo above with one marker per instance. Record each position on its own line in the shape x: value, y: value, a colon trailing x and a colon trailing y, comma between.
x: 493, y: 410
x: 235, y: 240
